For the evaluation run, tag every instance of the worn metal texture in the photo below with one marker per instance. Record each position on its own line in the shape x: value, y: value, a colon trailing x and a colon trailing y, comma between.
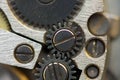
x: 19, y: 27
x: 82, y: 60
x: 8, y: 42
x: 90, y: 7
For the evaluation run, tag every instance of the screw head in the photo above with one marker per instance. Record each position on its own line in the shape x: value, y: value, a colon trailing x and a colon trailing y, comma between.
x: 55, y: 71
x: 24, y: 53
x: 64, y: 40
x: 95, y: 48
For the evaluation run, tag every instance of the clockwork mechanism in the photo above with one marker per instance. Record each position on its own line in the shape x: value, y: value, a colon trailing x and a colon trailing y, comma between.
x: 45, y: 13
x: 68, y: 39
x: 53, y: 39
x: 57, y: 67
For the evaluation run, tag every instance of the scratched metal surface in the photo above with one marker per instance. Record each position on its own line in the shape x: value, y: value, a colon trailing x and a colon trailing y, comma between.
x: 90, y: 7
x: 8, y: 42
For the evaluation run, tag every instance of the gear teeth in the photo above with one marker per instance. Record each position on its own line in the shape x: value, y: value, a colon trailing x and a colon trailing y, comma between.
x: 48, y: 56
x: 77, y: 33
x: 12, y: 3
x: 59, y: 57
x: 60, y: 25
x: 44, y: 60
x: 76, y: 48
x: 72, y: 66
x: 40, y: 20
x: 68, y: 63
x: 48, y: 36
x: 73, y: 78
x: 54, y: 28
x: 40, y: 64
x: 73, y: 28
x: 65, y: 23
x: 76, y: 8
x: 50, y: 47
x: 48, y: 41
x: 68, y: 54
x: 65, y: 58
x: 79, y: 39
x: 69, y: 17
x: 73, y: 13
x: 53, y: 51
x: 37, y: 74
x: 73, y: 52
x: 78, y: 43
x: 57, y: 54
x: 50, y: 31
x: 80, y: 2
x: 73, y: 72
x: 37, y: 69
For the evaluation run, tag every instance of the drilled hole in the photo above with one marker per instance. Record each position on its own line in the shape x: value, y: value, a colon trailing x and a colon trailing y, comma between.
x: 92, y: 71
x: 98, y: 24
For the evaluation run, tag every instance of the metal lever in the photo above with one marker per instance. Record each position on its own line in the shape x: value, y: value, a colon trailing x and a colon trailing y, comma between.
x: 8, y: 42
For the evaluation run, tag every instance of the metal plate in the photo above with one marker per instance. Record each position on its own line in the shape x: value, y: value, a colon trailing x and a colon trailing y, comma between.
x: 8, y: 42
x: 83, y: 60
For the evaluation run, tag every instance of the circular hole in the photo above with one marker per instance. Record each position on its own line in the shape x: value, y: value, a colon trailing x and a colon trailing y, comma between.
x: 98, y: 24
x: 95, y: 47
x: 92, y: 71
x: 24, y: 53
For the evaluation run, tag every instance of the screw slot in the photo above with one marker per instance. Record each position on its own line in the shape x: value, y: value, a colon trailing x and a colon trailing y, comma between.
x: 46, y: 2
x: 24, y: 53
x: 95, y: 47
x: 64, y: 40
x: 55, y: 71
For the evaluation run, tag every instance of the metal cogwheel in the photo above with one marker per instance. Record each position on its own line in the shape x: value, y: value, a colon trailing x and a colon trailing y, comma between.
x: 44, y: 13
x: 68, y: 39
x: 91, y: 59
x: 56, y: 67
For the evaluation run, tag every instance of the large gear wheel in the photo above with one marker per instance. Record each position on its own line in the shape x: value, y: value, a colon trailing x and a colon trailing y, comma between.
x: 67, y: 39
x: 57, y: 68
x: 45, y: 13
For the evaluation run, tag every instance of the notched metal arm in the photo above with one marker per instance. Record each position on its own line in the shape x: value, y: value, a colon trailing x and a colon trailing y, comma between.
x: 20, y: 28
x: 8, y: 42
